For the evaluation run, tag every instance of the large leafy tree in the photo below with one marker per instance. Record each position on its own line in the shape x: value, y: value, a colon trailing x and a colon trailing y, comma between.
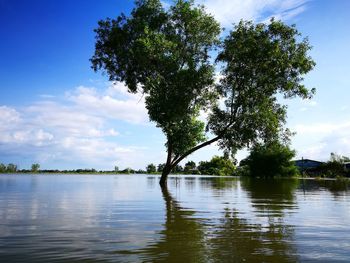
x: 151, y: 168
x: 335, y: 166
x: 217, y: 166
x: 189, y: 166
x: 168, y: 56
x: 35, y: 167
x: 272, y: 159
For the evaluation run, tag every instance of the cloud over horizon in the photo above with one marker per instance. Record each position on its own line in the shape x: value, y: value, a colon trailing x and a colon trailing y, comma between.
x: 79, y: 128
x: 322, y: 138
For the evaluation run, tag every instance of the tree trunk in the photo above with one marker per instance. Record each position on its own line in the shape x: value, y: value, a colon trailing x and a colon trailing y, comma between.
x: 170, y: 164
x: 166, y: 171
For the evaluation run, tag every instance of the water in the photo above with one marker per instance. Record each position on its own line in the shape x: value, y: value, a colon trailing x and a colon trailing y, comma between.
x: 128, y: 218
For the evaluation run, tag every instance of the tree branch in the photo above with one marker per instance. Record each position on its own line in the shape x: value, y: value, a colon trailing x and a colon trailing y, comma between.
x: 199, y: 146
x: 176, y: 160
x: 170, y: 150
x: 176, y: 156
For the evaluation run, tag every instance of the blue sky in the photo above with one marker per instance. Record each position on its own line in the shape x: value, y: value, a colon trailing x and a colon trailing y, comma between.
x: 56, y: 111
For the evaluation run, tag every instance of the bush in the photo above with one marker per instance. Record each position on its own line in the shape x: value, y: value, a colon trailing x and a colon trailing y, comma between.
x: 335, y: 166
x: 217, y: 166
x: 151, y: 168
x: 270, y: 160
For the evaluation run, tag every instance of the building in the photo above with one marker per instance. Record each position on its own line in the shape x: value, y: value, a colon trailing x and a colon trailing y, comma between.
x: 307, y: 164
x: 347, y: 166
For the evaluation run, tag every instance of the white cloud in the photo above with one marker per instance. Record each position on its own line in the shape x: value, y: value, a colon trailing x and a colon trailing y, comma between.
x: 8, y: 116
x: 290, y: 13
x: 75, y: 130
x: 231, y: 11
x: 97, y: 151
x: 10, y: 121
x: 34, y: 137
x: 318, y: 140
x: 323, y: 128
x: 118, y: 88
x: 115, y: 103
x: 62, y: 118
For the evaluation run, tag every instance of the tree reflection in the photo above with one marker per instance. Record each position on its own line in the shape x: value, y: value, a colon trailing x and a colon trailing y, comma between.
x: 190, y: 183
x: 235, y: 240
x: 271, y: 195
x: 228, y: 238
x: 182, y: 239
x: 151, y: 182
x: 337, y: 187
x: 218, y: 183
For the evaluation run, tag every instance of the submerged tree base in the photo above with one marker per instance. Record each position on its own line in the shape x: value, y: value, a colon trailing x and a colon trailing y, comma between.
x: 163, y: 180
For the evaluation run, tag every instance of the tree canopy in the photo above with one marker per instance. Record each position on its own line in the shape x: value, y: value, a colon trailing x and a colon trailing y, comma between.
x: 217, y: 166
x: 151, y: 168
x: 272, y: 159
x: 334, y: 167
x: 190, y: 166
x: 169, y: 56
x: 35, y: 167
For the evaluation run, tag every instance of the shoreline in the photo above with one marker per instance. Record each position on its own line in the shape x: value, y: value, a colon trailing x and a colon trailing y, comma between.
x: 182, y: 175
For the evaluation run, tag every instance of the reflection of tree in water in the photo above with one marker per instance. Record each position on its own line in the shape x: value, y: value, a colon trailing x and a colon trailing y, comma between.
x: 218, y: 183
x: 336, y: 187
x: 229, y: 239
x: 151, y: 182
x: 190, y: 183
x: 182, y: 240
x: 235, y: 240
x: 271, y: 195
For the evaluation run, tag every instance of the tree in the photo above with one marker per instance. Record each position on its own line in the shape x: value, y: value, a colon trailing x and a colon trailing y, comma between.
x: 270, y: 160
x: 335, y: 166
x: 217, y: 166
x: 2, y: 168
x: 35, y: 167
x: 189, y: 166
x: 151, y: 168
x: 166, y: 55
x: 338, y: 158
x: 178, y: 169
x: 11, y: 168
x: 160, y: 167
x: 127, y: 170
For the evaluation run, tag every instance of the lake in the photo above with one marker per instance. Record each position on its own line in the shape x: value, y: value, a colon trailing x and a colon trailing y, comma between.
x: 128, y: 218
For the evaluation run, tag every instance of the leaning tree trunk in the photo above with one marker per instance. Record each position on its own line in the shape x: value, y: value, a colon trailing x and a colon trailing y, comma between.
x: 166, y: 171
x: 170, y: 164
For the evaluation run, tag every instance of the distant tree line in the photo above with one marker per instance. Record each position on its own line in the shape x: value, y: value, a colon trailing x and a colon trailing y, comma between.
x: 35, y: 168
x: 9, y: 168
x: 216, y: 166
x: 13, y: 168
x: 273, y: 159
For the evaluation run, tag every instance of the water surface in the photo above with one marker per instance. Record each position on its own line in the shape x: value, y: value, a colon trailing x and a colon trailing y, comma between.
x: 128, y: 218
